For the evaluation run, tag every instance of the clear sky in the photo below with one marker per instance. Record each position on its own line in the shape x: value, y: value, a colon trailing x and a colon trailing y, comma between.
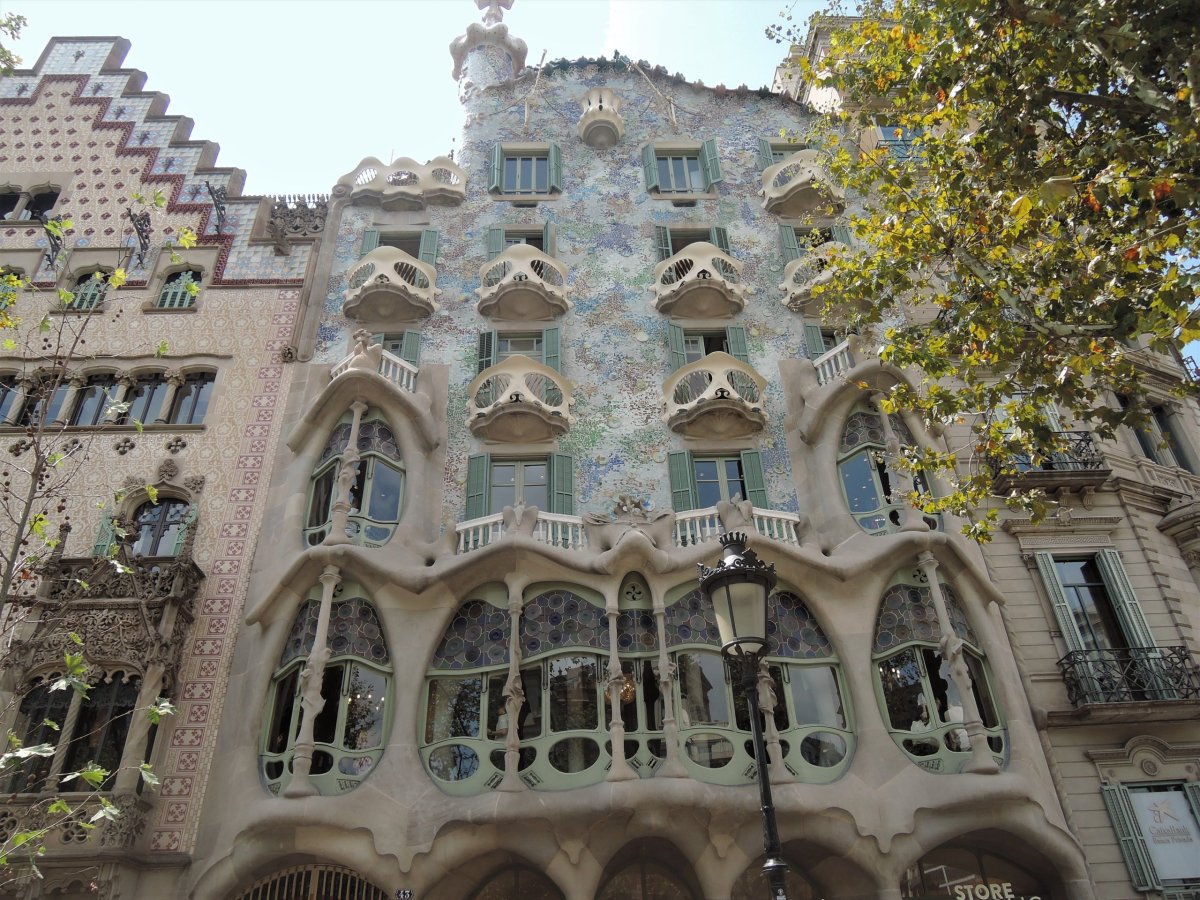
x: 296, y: 92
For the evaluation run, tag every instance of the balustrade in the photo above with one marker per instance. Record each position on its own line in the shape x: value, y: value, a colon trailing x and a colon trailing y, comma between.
x: 699, y: 282
x: 388, y: 284
x: 406, y: 183
x: 522, y: 283
x: 716, y: 396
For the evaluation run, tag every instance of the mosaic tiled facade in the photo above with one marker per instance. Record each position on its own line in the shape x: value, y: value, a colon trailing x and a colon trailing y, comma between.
x: 550, y: 716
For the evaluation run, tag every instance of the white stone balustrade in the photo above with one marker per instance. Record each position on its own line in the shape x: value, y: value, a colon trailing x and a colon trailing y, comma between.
x: 695, y: 526
x: 835, y: 362
x: 389, y: 284
x: 405, y: 183
x: 699, y: 282
x: 522, y: 284
x: 519, y: 400
x: 717, y: 396
x: 601, y: 125
x: 400, y: 372
x: 801, y: 276
x: 801, y: 185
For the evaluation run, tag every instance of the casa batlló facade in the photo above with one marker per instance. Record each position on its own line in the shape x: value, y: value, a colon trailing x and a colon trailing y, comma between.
x: 494, y: 412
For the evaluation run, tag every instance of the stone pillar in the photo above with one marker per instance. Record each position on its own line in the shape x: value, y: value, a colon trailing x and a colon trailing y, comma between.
x: 347, y: 470
x: 126, y: 384
x: 952, y: 652
x: 311, y: 701
x: 175, y: 380
x: 138, y: 734
x: 767, y: 701
x: 60, y: 750
x: 897, y: 476
x: 514, y: 694
x: 673, y: 766
x: 74, y: 384
x: 620, y: 770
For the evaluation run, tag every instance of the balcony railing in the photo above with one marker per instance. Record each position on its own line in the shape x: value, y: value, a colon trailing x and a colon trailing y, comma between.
x: 800, y: 185
x: 692, y: 527
x: 389, y: 284
x: 399, y: 372
x: 717, y: 396
x: 406, y: 183
x: 1077, y: 463
x: 519, y: 400
x: 833, y: 363
x: 699, y: 282
x: 524, y: 284
x: 801, y: 276
x: 1129, y: 675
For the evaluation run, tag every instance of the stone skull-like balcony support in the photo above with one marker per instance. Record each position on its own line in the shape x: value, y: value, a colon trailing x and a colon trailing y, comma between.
x: 801, y: 185
x: 522, y: 284
x: 802, y: 276
x: 699, y: 282
x: 717, y: 396
x: 519, y: 400
x: 601, y: 125
x: 405, y: 183
x: 388, y: 284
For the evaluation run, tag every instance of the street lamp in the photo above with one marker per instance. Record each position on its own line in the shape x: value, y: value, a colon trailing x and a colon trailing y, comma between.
x: 738, y: 587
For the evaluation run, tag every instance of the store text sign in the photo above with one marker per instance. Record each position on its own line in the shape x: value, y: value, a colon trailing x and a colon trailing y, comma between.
x: 988, y: 892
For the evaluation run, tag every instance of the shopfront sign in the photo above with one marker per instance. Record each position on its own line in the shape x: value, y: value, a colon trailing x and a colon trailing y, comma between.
x: 1170, y: 832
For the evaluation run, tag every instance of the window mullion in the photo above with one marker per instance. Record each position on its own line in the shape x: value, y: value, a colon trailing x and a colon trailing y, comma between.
x: 65, y: 736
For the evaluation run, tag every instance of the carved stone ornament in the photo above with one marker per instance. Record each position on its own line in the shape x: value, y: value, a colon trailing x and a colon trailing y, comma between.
x: 168, y: 469
x: 296, y: 216
x: 131, y: 483
x: 123, y: 831
x: 194, y: 483
x: 288, y: 354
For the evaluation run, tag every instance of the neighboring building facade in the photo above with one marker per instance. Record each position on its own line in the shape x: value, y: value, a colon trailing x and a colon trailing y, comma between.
x: 517, y: 399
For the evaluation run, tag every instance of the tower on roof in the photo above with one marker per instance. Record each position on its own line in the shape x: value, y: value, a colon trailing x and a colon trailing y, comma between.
x: 487, y: 55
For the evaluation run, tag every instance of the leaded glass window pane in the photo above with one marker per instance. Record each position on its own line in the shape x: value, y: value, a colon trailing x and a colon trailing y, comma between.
x: 702, y: 690
x: 453, y: 708
x: 574, y: 694
x: 815, y: 696
x: 858, y: 480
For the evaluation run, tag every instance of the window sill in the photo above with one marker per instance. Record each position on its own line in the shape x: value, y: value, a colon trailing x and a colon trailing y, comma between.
x: 155, y: 310
x: 152, y: 427
x: 526, y: 199
x: 681, y: 198
x: 68, y: 311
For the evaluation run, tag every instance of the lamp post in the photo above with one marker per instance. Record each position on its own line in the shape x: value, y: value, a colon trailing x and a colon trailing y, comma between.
x: 738, y: 587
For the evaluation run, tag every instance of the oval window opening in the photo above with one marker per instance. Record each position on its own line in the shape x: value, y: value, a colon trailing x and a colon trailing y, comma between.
x: 454, y: 762
x: 574, y: 755
x: 709, y: 750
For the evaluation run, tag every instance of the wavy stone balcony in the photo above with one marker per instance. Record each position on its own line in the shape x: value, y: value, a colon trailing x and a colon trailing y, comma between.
x: 406, y: 183
x: 715, y: 397
x: 519, y: 401
x: 699, y: 282
x: 835, y: 362
x: 601, y: 125
x: 802, y: 276
x: 389, y: 284
x: 801, y: 185
x: 522, y: 284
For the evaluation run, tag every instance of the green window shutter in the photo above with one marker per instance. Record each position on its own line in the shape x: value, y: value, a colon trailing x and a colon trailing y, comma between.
x: 1133, y: 845
x: 479, y: 472
x: 487, y: 350
x: 662, y: 238
x: 377, y: 338
x: 189, y: 522
x: 683, y: 482
x: 556, y: 169
x: 429, y: 246
x: 495, y: 241
x: 710, y: 164
x: 1125, y: 603
x: 497, y: 170
x: 675, y: 346
x: 562, y: 484
x: 719, y: 237
x: 766, y: 157
x: 369, y: 242
x: 650, y: 167
x: 843, y: 235
x: 550, y: 349
x: 735, y: 337
x: 789, y: 244
x: 752, y: 475
x: 104, y: 537
x: 1058, y: 599
x: 550, y: 239
x: 1192, y: 790
x: 410, y: 347
x: 814, y: 341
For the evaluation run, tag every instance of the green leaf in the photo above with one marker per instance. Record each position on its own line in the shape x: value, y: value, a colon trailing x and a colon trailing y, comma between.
x: 148, y: 775
x: 161, y: 707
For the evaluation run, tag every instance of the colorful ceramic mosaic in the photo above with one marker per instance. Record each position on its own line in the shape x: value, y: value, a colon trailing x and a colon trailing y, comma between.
x: 476, y: 637
x: 792, y: 632
x: 353, y: 630
x: 373, y: 437
x: 559, y: 619
x: 636, y: 632
x: 865, y: 427
x: 906, y: 614
x: 690, y: 620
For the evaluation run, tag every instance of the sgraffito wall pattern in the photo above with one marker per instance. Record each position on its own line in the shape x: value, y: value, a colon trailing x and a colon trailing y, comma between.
x: 605, y: 236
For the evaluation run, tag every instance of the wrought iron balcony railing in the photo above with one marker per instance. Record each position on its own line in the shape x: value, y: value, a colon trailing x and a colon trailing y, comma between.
x: 1129, y: 674
x: 1077, y: 453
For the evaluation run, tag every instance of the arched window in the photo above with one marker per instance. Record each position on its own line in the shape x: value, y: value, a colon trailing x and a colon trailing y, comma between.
x: 518, y: 882
x: 93, y: 399
x: 162, y: 527
x: 644, y: 879
x: 923, y: 706
x: 97, y: 736
x: 377, y: 495
x: 350, y: 731
x: 90, y: 290
x: 950, y: 872
x: 752, y: 884
x: 560, y: 718
x: 875, y: 490
x: 191, y: 399
x: 180, y: 290
x: 810, y: 716
x: 314, y: 882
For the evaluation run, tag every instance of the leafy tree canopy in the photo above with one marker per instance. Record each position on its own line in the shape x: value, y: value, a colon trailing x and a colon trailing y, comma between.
x: 1029, y: 172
